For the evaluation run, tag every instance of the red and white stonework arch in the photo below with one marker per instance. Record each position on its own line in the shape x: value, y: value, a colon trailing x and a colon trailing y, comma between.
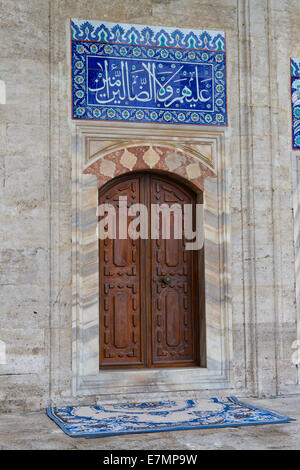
x: 147, y: 156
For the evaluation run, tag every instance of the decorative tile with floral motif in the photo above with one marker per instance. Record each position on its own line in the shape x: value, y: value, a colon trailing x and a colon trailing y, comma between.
x: 148, y: 74
x: 295, y: 91
x: 128, y: 418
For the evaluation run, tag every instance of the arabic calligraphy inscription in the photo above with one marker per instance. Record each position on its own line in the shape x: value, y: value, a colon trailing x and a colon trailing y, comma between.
x: 144, y: 81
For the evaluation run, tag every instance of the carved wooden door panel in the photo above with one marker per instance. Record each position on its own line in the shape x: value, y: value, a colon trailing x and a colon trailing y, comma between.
x: 174, y: 293
x: 148, y: 288
x: 121, y: 335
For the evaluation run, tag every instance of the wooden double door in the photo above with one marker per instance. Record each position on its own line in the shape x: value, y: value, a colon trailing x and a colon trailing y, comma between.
x: 150, y: 289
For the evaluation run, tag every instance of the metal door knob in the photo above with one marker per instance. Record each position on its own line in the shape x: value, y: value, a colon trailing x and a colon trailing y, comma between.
x: 167, y: 280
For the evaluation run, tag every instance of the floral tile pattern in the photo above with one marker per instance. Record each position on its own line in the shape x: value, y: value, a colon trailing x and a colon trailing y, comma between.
x: 128, y: 418
x: 295, y: 91
x: 148, y: 74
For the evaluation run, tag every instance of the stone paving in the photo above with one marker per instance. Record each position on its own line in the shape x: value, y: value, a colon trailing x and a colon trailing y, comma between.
x: 34, y: 430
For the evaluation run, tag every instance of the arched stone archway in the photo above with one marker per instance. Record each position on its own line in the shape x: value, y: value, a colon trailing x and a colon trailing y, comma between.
x: 101, y: 153
x: 135, y: 157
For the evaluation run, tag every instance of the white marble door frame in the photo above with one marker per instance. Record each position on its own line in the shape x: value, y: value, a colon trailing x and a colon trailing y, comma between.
x: 87, y: 379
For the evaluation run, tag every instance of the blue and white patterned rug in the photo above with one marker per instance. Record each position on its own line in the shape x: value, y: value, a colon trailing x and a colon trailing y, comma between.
x: 128, y: 418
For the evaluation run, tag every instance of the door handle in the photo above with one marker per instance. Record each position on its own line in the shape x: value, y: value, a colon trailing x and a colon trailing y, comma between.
x: 167, y: 280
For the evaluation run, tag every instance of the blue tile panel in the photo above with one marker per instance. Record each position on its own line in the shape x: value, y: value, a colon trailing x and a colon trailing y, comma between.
x: 295, y: 94
x: 148, y: 74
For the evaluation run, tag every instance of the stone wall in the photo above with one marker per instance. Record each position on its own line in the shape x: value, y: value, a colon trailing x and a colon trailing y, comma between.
x: 25, y: 202
x: 36, y: 199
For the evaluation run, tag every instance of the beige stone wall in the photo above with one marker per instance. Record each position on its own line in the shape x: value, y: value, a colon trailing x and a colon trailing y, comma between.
x: 24, y: 202
x: 36, y: 200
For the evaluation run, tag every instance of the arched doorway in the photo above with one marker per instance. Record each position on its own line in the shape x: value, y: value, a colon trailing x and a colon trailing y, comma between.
x: 151, y: 290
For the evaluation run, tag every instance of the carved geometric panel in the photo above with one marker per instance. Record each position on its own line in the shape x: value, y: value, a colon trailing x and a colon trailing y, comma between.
x: 120, y: 311
x: 174, y: 305
x: 145, y: 321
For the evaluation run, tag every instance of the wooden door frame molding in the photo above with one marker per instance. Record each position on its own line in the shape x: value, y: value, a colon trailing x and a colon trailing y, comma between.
x: 99, y: 138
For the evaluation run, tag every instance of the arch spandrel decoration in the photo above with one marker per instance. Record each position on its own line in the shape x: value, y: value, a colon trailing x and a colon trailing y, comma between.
x: 187, y: 163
